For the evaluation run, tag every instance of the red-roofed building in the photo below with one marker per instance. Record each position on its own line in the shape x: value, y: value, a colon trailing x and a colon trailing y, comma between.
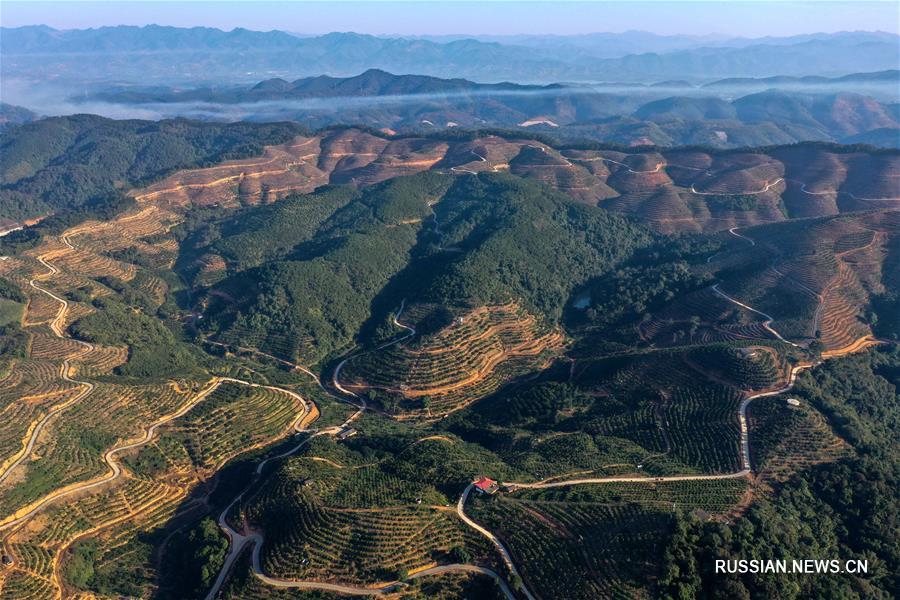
x: 485, y: 485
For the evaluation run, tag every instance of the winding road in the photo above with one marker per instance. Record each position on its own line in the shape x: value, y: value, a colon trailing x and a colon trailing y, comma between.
x: 767, y: 324
x: 56, y: 326
x: 838, y: 192
x: 109, y: 458
x: 817, y: 295
x: 469, y: 171
x: 240, y: 539
x: 335, y: 377
x: 351, y: 590
x: 657, y: 169
x: 746, y: 465
x: 115, y: 468
x: 504, y: 553
x: 28, y: 447
x: 767, y: 187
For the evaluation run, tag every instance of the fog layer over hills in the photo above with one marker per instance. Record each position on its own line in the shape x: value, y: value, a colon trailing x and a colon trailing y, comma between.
x: 631, y: 88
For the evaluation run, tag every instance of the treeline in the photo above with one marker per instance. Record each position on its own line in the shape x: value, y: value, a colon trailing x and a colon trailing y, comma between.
x: 99, y: 208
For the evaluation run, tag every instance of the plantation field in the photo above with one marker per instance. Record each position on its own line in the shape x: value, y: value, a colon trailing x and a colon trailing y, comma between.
x: 74, y: 446
x: 38, y: 551
x: 464, y: 361
x: 786, y: 439
x: 806, y: 282
x: 596, y: 540
x: 672, y: 190
x: 90, y: 457
x: 357, y: 520
x: 819, y: 279
x: 702, y: 317
x: 664, y: 404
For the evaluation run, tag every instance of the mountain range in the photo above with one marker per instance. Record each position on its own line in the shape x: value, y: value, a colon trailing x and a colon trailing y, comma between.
x: 206, y: 54
x: 415, y: 103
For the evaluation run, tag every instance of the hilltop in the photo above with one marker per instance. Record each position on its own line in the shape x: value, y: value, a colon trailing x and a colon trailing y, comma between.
x: 613, y: 113
x: 691, y: 189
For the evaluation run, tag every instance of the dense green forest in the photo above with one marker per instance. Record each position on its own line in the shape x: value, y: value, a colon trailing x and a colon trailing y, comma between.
x: 521, y: 240
x: 154, y: 350
x: 260, y: 234
x: 493, y: 238
x: 313, y: 301
x: 316, y: 277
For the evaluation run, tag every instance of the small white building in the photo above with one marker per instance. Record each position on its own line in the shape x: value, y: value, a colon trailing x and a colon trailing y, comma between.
x: 346, y: 433
x: 793, y: 402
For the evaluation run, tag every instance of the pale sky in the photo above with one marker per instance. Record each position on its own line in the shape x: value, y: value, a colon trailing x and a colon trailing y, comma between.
x: 750, y: 19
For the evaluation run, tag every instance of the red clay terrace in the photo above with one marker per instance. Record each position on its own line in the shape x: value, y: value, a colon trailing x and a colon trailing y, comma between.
x: 485, y: 485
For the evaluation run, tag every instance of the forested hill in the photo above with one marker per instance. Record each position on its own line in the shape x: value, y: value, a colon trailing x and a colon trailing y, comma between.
x: 86, y: 164
x: 844, y: 510
x: 80, y: 162
x: 491, y: 240
x: 666, y: 115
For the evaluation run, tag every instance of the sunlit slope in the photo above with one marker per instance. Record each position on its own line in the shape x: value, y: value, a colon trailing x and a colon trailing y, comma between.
x: 810, y: 280
x: 331, y: 514
x: 672, y: 190
x: 98, y: 376
x: 439, y: 298
x: 816, y: 278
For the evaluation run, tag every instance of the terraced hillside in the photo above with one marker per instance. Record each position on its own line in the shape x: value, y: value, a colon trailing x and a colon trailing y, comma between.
x: 669, y: 407
x: 797, y: 282
x: 462, y: 362
x: 605, y: 538
x: 356, y: 521
x: 98, y: 384
x: 815, y: 278
x: 296, y: 373
x: 672, y: 190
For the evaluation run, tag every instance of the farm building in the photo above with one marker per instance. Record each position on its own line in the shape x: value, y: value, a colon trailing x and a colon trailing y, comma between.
x: 485, y: 485
x: 346, y: 433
